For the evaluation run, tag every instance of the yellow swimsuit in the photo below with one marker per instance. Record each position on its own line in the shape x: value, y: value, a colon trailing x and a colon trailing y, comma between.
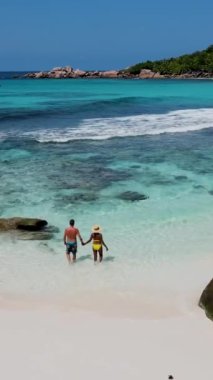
x: 96, y: 245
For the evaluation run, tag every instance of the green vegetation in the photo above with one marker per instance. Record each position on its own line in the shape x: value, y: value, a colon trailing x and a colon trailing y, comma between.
x: 201, y: 61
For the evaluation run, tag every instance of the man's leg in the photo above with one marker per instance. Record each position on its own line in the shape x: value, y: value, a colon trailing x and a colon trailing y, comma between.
x: 74, y: 252
x: 74, y: 257
x: 68, y: 257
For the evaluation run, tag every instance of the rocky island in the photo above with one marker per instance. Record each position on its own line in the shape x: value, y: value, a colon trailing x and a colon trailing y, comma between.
x: 198, y: 65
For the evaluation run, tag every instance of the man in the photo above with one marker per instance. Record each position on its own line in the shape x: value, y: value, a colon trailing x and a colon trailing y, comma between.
x: 70, y: 240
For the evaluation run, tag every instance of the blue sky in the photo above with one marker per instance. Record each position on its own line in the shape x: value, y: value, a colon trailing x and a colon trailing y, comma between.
x: 97, y: 34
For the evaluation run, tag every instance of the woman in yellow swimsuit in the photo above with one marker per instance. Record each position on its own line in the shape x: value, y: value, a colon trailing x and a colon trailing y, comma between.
x: 97, y: 243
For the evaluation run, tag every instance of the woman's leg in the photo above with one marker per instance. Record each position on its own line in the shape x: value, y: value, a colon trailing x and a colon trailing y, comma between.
x: 100, y: 254
x: 95, y: 255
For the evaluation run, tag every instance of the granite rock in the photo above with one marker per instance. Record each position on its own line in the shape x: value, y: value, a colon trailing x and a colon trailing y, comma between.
x: 206, y: 300
x: 149, y: 74
x: 18, y: 223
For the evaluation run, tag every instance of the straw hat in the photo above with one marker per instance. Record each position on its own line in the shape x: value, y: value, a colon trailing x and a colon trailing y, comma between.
x: 96, y: 228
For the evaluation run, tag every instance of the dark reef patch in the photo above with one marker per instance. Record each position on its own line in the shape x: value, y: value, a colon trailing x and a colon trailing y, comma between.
x: 181, y: 177
x: 78, y: 198
x: 135, y: 167
x: 199, y: 187
x: 86, y: 176
x: 132, y: 196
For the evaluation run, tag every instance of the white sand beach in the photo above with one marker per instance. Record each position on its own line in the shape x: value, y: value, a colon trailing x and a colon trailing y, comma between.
x: 49, y: 344
x: 111, y: 337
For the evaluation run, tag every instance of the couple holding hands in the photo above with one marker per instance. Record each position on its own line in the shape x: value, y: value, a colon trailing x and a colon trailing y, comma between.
x: 70, y: 240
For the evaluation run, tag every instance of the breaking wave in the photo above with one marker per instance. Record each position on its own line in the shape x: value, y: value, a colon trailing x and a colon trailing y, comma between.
x: 105, y: 128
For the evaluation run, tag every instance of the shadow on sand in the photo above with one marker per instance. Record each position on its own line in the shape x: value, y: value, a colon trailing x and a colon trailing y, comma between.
x: 89, y: 257
x: 85, y: 257
x: 109, y: 259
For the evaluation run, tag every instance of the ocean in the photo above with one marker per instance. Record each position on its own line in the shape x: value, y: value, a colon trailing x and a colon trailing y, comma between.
x: 78, y: 149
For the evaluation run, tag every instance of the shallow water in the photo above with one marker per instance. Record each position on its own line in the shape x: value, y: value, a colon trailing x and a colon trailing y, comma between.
x: 72, y: 148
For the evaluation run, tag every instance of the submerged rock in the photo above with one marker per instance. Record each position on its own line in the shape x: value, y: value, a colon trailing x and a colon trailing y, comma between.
x: 198, y: 187
x: 206, y: 300
x: 80, y: 197
x: 181, y: 177
x: 132, y: 196
x: 51, y: 229
x: 18, y: 223
x: 34, y: 235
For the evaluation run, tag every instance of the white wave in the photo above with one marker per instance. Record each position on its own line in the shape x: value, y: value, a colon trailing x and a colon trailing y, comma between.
x: 3, y: 136
x: 153, y: 124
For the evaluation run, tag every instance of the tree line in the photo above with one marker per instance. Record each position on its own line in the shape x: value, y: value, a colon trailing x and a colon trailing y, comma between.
x: 201, y: 61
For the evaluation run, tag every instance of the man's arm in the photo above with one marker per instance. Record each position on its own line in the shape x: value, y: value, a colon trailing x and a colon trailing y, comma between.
x: 65, y: 237
x: 80, y: 238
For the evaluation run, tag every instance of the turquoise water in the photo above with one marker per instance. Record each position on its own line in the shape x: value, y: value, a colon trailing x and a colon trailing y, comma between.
x: 71, y: 148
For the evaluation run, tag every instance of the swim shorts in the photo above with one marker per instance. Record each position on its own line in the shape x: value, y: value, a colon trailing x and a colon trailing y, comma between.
x: 71, y: 247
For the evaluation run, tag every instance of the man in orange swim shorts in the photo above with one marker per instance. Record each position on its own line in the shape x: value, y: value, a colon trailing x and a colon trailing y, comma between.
x: 70, y: 240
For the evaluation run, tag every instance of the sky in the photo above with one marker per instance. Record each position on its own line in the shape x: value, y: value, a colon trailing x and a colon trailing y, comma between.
x: 100, y: 35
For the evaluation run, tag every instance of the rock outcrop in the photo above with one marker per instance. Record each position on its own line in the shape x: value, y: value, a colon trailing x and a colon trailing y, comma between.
x: 70, y: 73
x: 18, y: 223
x: 109, y: 74
x: 149, y: 74
x: 27, y: 228
x: 206, y: 300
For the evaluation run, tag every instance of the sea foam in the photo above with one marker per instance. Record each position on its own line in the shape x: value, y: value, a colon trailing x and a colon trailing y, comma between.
x: 179, y: 121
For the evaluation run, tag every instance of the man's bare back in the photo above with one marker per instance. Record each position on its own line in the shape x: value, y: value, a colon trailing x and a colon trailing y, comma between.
x: 70, y: 240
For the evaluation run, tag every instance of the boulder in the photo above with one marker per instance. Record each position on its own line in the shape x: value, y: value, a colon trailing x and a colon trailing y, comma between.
x: 94, y: 74
x: 27, y: 228
x: 206, y: 300
x: 158, y: 76
x: 58, y: 74
x: 29, y: 75
x: 68, y: 69
x: 41, y: 74
x: 109, y: 74
x: 149, y: 74
x: 145, y: 73
x: 132, y: 196
x: 79, y: 73
x: 26, y: 224
x: 56, y: 69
